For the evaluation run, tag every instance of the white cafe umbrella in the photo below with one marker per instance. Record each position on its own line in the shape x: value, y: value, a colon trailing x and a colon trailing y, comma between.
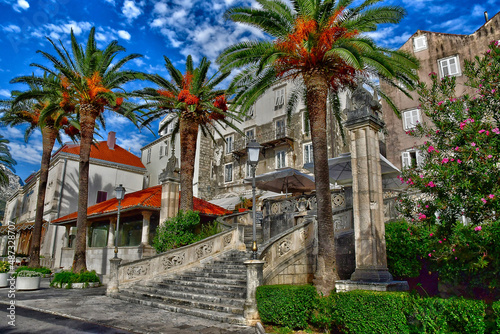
x: 284, y: 180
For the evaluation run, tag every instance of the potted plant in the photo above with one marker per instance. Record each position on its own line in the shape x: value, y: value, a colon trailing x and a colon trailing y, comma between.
x: 27, y: 280
x: 4, y: 273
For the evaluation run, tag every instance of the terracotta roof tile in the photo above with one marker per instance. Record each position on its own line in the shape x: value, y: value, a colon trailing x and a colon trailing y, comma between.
x: 149, y: 197
x: 101, y: 151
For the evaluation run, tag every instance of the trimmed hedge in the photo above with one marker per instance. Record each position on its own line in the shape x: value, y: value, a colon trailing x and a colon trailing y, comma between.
x: 370, y: 311
x: 69, y: 277
x: 496, y: 315
x: 42, y: 270
x: 286, y: 305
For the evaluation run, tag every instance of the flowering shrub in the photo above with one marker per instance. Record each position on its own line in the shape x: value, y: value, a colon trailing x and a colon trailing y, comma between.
x: 460, y: 172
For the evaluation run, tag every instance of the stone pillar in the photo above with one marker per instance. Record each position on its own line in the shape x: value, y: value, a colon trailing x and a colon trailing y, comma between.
x: 112, y: 231
x: 113, y: 282
x: 255, y: 277
x: 146, y: 215
x: 368, y: 203
x: 66, y: 235
x: 170, y: 182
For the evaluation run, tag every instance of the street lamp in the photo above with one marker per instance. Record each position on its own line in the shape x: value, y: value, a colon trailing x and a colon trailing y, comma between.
x: 253, y: 150
x: 120, y: 194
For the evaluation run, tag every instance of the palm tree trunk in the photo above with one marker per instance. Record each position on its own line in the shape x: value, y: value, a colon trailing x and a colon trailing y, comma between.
x: 189, y: 135
x: 317, y: 91
x: 88, y: 115
x: 49, y: 135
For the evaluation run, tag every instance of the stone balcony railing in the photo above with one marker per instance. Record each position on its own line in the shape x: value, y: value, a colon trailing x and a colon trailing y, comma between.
x: 266, y: 139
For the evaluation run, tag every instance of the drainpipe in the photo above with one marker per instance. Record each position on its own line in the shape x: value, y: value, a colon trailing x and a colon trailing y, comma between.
x: 59, y: 203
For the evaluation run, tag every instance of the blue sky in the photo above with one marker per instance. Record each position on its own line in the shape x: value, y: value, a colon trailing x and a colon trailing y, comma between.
x: 175, y: 28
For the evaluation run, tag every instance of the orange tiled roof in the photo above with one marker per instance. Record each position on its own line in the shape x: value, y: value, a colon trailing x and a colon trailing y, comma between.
x: 149, y: 197
x: 101, y: 151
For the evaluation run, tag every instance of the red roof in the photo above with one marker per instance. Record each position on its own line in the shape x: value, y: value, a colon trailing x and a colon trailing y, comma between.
x: 101, y: 151
x: 149, y: 197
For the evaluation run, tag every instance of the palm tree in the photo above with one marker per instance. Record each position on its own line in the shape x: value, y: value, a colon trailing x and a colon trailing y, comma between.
x: 6, y: 161
x: 26, y: 108
x: 319, y: 44
x: 197, y: 104
x: 88, y: 77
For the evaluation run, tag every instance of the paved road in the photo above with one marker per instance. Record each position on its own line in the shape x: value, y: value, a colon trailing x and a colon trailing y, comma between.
x: 30, y: 321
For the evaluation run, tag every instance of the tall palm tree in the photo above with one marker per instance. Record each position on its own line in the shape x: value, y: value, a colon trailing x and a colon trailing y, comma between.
x: 26, y: 108
x: 5, y: 160
x: 197, y: 103
x: 90, y: 78
x: 321, y: 45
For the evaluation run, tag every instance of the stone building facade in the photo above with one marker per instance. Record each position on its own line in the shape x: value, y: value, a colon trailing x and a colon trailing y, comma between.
x: 443, y: 54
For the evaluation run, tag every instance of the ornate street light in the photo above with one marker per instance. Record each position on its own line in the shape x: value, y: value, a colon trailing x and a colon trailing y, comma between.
x: 120, y: 194
x: 253, y: 151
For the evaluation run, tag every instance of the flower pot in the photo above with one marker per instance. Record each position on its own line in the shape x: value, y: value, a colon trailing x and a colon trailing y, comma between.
x: 3, y: 280
x: 28, y: 283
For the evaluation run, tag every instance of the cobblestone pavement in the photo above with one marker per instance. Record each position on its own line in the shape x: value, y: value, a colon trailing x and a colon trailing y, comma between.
x: 92, y: 305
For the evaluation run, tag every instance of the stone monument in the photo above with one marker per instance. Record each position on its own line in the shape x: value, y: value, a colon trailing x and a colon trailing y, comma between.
x: 170, y: 182
x: 371, y: 271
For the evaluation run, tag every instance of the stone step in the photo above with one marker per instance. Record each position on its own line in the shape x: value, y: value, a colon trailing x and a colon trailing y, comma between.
x: 207, y: 296
x: 238, y: 292
x: 230, y: 281
x: 206, y: 314
x: 201, y: 273
x: 204, y: 285
x: 180, y: 302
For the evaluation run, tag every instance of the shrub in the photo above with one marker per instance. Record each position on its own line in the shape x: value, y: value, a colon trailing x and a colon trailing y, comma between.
x: 286, y: 305
x: 496, y: 315
x: 69, y: 277
x: 42, y: 270
x: 4, y: 266
x: 27, y: 273
x: 453, y: 315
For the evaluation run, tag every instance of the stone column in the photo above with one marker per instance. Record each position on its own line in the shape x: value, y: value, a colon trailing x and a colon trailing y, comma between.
x: 255, y: 278
x: 113, y: 282
x: 146, y: 215
x: 112, y: 231
x: 66, y: 235
x: 170, y: 182
x: 369, y: 230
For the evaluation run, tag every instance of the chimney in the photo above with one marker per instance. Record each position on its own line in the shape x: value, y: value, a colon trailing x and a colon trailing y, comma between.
x: 111, y: 140
x: 486, y: 16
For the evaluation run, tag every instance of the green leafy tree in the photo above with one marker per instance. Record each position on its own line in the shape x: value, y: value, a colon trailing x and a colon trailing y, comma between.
x: 322, y: 46
x: 5, y: 160
x: 92, y: 80
x: 459, y: 175
x: 26, y: 107
x: 197, y: 103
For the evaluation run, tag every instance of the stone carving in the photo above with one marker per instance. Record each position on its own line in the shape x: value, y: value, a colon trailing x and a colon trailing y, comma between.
x: 338, y: 201
x: 266, y: 261
x: 139, y: 270
x: 284, y: 246
x: 362, y: 98
x: 286, y: 206
x: 173, y: 261
x: 204, y: 249
x: 302, y: 204
x: 341, y: 224
x: 227, y: 239
x: 171, y: 171
x: 312, y: 203
x: 304, y: 233
x: 275, y: 208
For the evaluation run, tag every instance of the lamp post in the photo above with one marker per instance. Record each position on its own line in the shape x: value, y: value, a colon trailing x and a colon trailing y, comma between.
x: 253, y: 150
x: 120, y: 194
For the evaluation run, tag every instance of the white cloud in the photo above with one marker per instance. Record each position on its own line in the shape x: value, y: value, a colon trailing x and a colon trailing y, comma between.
x: 11, y: 28
x: 133, y: 142
x: 131, y: 10
x: 111, y: 2
x: 21, y: 5
x: 124, y: 34
x: 5, y: 92
x: 385, y: 37
x: 478, y: 11
x: 11, y: 133
x: 161, y: 8
x: 26, y: 152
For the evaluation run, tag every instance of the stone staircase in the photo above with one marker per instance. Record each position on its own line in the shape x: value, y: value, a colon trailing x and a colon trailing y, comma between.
x: 248, y: 238
x: 216, y: 290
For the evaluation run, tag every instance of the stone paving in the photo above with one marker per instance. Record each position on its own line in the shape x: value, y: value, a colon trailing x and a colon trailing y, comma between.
x: 92, y: 305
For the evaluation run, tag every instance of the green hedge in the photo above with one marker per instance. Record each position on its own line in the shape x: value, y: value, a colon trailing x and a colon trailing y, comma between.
x: 370, y: 311
x: 286, y: 305
x: 496, y: 315
x: 42, y: 270
x: 69, y: 277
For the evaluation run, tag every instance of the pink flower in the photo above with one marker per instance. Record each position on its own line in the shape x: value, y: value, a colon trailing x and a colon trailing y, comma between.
x: 426, y: 206
x: 430, y: 254
x: 481, y: 131
x: 484, y: 200
x: 421, y: 216
x: 472, y: 144
x: 496, y: 130
x: 491, y: 196
x: 453, y: 250
x: 431, y: 184
x: 459, y: 161
x: 445, y: 160
x: 421, y: 176
x: 430, y: 235
x: 493, y: 91
x: 430, y: 149
x: 477, y: 228
x: 440, y: 242
x: 457, y: 148
x: 440, y: 103
x: 477, y: 148
x: 489, y: 156
x: 455, y: 257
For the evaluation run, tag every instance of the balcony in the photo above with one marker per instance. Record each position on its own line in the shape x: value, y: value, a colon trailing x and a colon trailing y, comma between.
x: 269, y: 139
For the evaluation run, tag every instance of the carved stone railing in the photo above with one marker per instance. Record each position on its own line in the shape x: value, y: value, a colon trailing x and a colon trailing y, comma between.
x: 181, y: 259
x: 289, y: 258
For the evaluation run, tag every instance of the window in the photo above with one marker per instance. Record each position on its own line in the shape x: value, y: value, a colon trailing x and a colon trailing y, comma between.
x: 411, y: 118
x: 170, y: 128
x: 148, y: 156
x: 101, y: 196
x: 308, y: 153
x: 229, y: 144
x: 213, y: 174
x: 98, y: 235
x: 280, y: 128
x: 411, y: 158
x: 228, y: 173
x: 161, y: 151
x: 249, y: 135
x: 419, y: 43
x: 250, y: 113
x: 280, y: 159
x: 279, y: 98
x: 449, y: 66
x: 306, y: 126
